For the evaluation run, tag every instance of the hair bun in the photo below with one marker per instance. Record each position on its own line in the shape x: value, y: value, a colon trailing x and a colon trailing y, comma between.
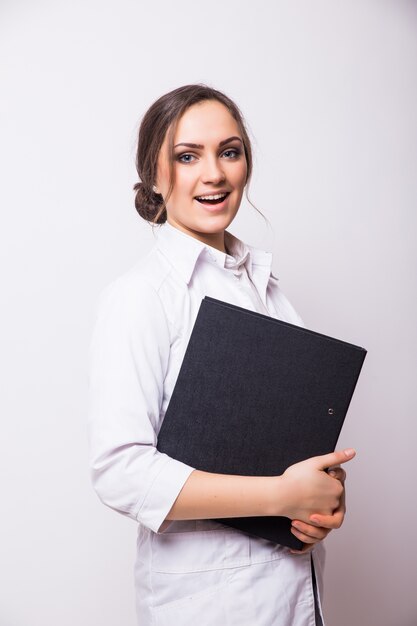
x: 148, y: 204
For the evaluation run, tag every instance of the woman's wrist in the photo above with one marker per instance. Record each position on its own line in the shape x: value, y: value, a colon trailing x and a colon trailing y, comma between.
x: 277, y: 502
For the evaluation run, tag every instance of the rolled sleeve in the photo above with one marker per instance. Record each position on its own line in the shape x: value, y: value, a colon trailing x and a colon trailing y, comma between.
x: 128, y: 361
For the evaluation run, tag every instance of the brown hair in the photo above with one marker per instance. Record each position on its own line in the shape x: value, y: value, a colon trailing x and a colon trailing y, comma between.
x: 162, y: 117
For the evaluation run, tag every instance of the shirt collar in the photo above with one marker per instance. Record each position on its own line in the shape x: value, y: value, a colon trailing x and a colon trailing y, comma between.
x: 183, y: 251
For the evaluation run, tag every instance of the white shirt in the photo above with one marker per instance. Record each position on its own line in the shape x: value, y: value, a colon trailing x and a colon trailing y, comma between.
x: 197, y: 571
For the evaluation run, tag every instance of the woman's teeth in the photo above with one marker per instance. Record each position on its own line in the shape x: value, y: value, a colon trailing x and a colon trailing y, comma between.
x: 214, y: 199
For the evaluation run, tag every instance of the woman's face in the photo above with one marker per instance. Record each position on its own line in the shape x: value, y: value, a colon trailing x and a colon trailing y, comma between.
x: 214, y: 164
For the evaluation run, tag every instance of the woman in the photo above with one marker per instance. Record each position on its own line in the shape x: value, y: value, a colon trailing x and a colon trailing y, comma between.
x: 194, y: 161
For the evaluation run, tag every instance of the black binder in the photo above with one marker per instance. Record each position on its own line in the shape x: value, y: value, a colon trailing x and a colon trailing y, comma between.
x: 254, y: 395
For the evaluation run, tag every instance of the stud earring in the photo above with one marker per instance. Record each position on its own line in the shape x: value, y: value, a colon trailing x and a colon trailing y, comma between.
x: 154, y: 189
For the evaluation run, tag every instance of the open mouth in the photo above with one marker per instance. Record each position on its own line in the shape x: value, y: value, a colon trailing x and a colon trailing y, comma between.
x: 212, y: 200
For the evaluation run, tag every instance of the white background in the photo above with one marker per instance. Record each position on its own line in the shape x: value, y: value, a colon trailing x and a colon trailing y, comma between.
x: 329, y: 92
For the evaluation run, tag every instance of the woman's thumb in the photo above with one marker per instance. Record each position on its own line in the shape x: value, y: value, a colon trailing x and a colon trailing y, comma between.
x: 334, y: 458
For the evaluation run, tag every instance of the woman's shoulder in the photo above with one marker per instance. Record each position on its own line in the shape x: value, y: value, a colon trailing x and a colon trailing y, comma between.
x: 129, y: 312
x: 137, y: 289
x: 144, y: 277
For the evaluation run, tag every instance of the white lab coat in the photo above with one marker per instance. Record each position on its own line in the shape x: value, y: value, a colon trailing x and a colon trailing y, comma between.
x: 186, y: 572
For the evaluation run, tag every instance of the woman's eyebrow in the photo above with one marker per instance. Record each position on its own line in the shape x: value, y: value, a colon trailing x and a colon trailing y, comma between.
x: 200, y: 146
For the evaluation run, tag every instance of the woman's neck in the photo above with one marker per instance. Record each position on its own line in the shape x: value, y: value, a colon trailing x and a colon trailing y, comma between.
x: 216, y: 240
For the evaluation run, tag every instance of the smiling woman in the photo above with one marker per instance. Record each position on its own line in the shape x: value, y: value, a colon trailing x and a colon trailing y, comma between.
x: 218, y: 160
x: 194, y: 161
x: 210, y: 179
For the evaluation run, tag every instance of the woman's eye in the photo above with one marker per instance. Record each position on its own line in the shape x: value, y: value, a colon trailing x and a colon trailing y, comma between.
x: 181, y: 156
x: 233, y: 150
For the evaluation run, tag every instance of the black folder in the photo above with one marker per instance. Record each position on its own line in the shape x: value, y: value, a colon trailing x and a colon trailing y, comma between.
x: 253, y: 396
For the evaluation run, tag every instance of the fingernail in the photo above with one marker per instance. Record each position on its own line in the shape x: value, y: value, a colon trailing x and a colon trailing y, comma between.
x: 349, y: 451
x: 332, y: 473
x: 315, y: 520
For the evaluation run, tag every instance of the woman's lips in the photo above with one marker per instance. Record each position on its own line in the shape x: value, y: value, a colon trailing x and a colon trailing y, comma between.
x: 214, y: 206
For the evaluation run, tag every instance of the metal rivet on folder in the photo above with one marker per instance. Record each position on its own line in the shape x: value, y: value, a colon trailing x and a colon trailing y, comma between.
x: 330, y: 411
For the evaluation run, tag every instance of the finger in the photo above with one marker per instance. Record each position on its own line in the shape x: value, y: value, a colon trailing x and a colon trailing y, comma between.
x: 334, y: 458
x: 305, y: 538
x: 329, y: 521
x: 316, y: 532
x: 338, y: 473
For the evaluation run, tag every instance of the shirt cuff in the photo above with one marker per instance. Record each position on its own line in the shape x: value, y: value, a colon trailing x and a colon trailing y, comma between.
x: 162, y: 494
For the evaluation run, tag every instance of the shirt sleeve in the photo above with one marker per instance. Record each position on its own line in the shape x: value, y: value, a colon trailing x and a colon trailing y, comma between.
x: 128, y: 360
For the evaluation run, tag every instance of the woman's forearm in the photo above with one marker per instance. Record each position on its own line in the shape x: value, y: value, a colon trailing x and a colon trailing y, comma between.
x: 303, y: 489
x: 207, y: 495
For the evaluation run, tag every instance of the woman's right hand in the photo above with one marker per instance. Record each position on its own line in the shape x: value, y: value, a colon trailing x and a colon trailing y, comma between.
x: 308, y: 489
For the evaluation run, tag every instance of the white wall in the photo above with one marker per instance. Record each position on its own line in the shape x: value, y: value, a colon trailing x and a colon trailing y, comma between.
x: 329, y: 91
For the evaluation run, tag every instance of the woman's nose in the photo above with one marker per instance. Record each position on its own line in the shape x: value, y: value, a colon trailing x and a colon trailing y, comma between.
x: 212, y: 171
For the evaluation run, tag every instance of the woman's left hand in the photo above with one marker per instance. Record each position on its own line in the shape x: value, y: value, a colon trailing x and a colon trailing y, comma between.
x: 321, y: 525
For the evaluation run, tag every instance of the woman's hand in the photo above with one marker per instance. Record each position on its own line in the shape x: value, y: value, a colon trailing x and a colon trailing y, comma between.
x: 321, y: 525
x: 311, y: 495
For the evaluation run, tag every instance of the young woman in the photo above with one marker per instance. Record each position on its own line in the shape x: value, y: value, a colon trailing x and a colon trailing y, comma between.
x: 194, y: 162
